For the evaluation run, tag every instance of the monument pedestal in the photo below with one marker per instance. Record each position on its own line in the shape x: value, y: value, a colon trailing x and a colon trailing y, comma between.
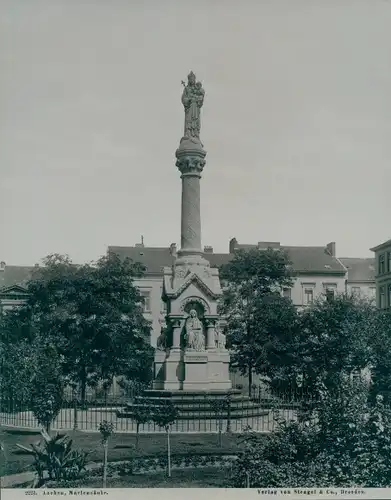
x: 177, y: 370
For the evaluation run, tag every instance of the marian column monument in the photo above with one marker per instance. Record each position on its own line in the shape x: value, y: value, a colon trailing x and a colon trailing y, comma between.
x: 191, y: 353
x: 191, y: 365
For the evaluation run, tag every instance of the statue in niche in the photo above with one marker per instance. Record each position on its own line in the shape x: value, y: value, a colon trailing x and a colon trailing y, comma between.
x: 220, y: 339
x: 162, y: 340
x: 194, y: 332
x: 192, y: 100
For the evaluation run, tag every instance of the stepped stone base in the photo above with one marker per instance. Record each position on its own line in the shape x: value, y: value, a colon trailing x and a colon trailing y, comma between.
x: 193, y: 405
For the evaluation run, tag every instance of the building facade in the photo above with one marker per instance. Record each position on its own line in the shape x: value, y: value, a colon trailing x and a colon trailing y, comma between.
x: 360, y: 277
x: 317, y: 271
x: 383, y: 274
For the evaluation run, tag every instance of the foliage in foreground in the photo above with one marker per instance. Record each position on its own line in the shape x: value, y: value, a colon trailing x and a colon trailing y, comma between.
x: 54, y: 459
x: 342, y: 441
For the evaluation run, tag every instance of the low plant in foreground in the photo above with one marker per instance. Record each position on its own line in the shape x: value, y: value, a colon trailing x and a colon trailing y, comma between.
x: 54, y: 459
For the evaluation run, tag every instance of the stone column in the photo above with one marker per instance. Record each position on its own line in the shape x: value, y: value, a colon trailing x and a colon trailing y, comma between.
x: 190, y: 163
x: 191, y: 220
x: 177, y: 325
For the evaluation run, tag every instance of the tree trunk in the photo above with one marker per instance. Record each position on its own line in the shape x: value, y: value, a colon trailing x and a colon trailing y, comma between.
x: 105, y: 446
x: 137, y: 435
x: 229, y: 414
x: 75, y: 424
x: 220, y: 433
x: 168, y: 453
x: 83, y: 385
x: 250, y: 380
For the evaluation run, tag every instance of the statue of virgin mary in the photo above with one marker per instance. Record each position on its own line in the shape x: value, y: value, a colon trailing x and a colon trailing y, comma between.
x: 192, y: 100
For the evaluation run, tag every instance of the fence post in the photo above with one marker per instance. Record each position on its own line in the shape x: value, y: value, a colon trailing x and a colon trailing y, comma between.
x: 75, y: 414
x: 229, y: 413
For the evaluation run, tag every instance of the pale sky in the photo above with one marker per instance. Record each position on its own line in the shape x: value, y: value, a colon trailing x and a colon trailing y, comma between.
x: 296, y: 122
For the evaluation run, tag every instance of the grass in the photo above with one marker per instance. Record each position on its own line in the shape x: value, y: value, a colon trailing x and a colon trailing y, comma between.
x: 207, y: 477
x: 121, y: 446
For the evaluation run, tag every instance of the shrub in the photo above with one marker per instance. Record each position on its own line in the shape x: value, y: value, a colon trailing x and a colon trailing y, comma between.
x: 343, y: 441
x: 47, y: 386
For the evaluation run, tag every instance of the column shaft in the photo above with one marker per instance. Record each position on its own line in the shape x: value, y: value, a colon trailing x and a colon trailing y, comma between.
x: 191, y: 217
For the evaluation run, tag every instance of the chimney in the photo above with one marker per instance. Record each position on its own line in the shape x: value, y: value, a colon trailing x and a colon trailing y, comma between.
x: 173, y: 250
x: 232, y: 245
x: 2, y: 266
x: 140, y: 245
x: 208, y: 249
x: 330, y: 248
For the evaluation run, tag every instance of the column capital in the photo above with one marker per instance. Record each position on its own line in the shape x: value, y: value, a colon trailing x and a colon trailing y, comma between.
x: 175, y: 319
x: 211, y: 320
x: 190, y: 164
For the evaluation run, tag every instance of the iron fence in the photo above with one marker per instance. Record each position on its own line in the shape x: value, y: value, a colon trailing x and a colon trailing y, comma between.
x: 196, y: 413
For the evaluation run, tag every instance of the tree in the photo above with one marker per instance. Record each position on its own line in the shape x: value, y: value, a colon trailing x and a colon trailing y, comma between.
x: 16, y: 362
x: 106, y: 430
x: 258, y: 317
x: 164, y: 415
x: 47, y: 386
x: 336, y: 339
x: 381, y: 360
x: 142, y: 414
x: 93, y: 314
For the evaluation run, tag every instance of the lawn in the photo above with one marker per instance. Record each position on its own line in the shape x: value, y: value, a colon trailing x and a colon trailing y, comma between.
x: 121, y: 447
x: 208, y: 477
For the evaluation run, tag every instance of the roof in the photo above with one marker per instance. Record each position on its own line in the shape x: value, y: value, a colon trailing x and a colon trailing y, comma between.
x: 313, y: 259
x: 381, y: 245
x: 359, y: 269
x: 304, y: 259
x: 15, y: 275
x: 153, y: 258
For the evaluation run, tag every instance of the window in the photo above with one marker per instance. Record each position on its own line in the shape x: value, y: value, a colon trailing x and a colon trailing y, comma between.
x: 389, y: 262
x: 372, y: 292
x: 146, y: 296
x: 330, y: 290
x: 286, y: 292
x: 163, y: 305
x: 308, y: 296
x: 382, y: 262
x: 330, y: 294
x: 389, y: 296
x: 382, y: 297
x: 356, y: 290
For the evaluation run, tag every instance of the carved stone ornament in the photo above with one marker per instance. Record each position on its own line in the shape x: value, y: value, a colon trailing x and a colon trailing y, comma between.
x: 188, y: 164
x: 180, y: 272
x: 199, y: 300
